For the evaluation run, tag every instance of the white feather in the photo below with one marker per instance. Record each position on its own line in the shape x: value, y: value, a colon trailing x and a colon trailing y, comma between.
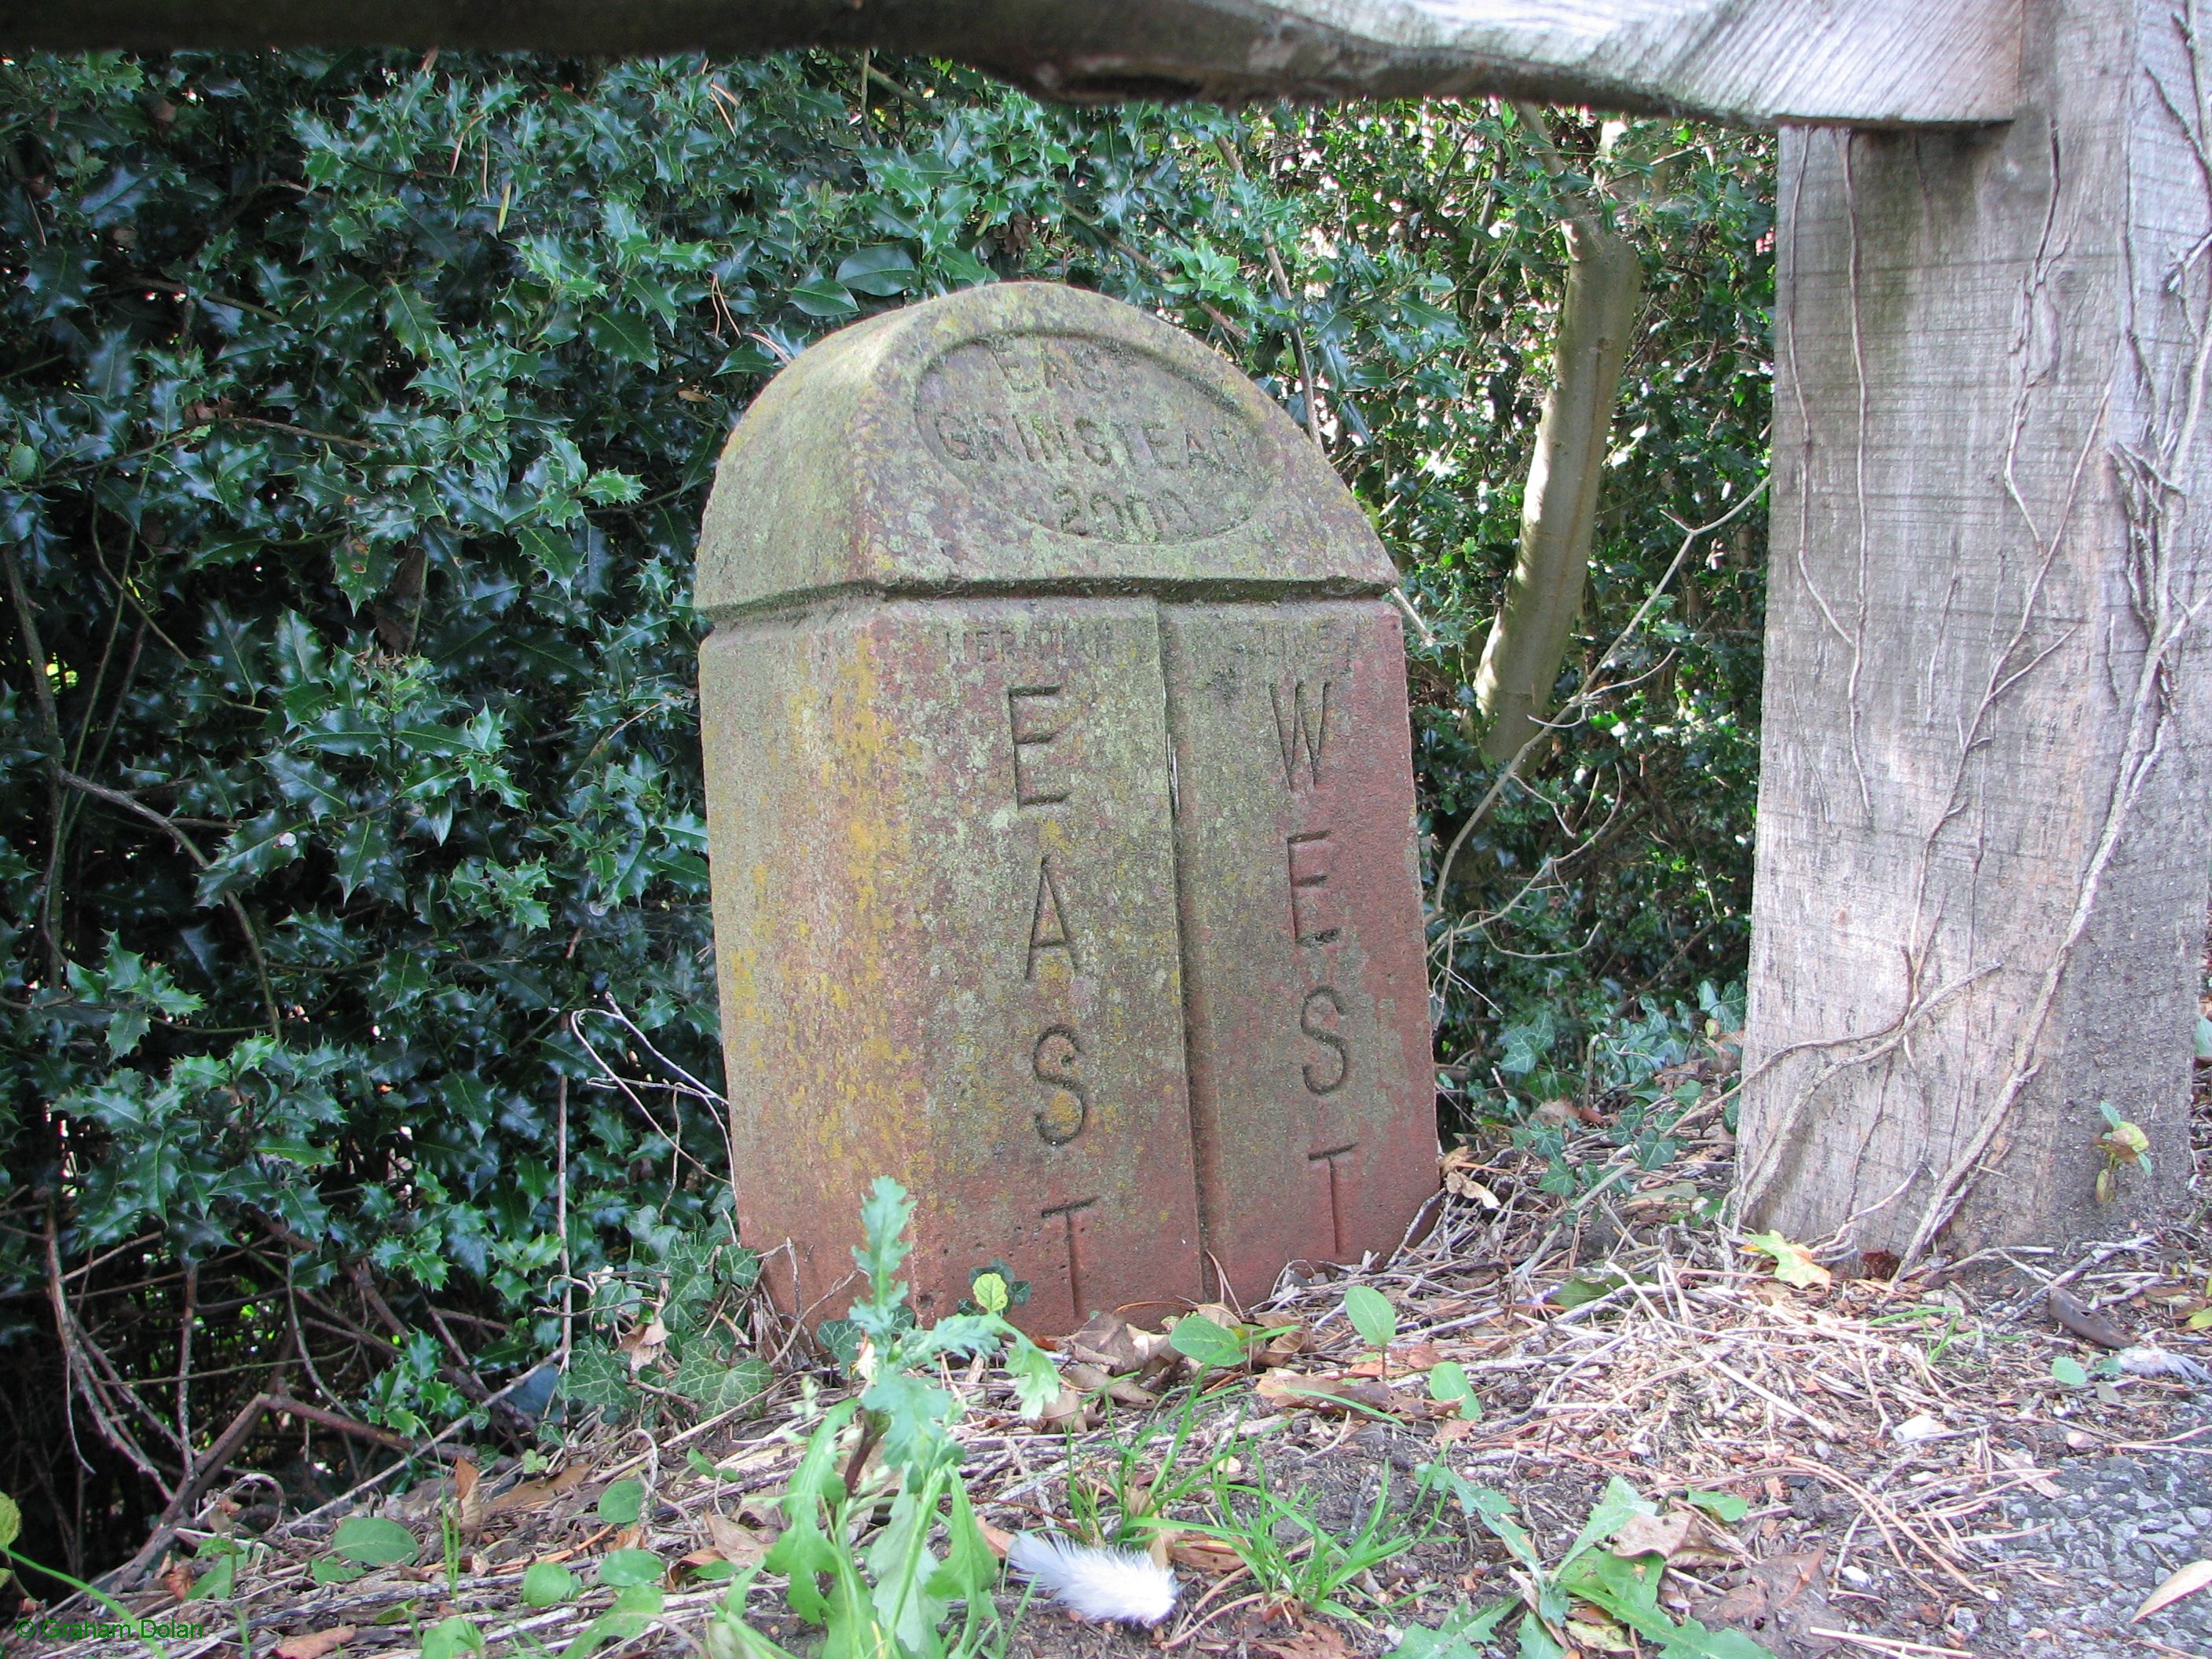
x: 1099, y: 1584
x: 2157, y: 1362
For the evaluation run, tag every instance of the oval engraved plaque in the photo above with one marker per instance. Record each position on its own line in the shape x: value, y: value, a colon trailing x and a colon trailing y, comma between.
x: 1090, y: 437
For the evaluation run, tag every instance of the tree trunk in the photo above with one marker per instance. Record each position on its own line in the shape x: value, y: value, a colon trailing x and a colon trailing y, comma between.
x: 1559, y: 510
x: 1981, y: 867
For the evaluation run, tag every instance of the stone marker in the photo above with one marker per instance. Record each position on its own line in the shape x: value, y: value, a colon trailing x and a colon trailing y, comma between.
x: 1060, y: 806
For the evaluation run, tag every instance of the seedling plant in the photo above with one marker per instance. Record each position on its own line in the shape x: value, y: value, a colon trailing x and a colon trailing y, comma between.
x: 887, y: 1591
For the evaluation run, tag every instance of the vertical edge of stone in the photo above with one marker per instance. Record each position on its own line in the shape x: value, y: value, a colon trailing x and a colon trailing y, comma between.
x: 1306, y: 991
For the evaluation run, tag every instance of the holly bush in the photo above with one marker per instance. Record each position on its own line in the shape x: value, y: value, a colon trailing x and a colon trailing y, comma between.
x: 356, y: 415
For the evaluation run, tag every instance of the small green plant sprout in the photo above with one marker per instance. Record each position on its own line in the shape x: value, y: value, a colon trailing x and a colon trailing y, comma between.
x: 1374, y: 1318
x: 1125, y: 1502
x: 2068, y: 1372
x: 451, y: 1638
x: 1292, y: 1558
x: 622, y: 1569
x: 1723, y: 1506
x: 892, y: 1597
x: 1793, y: 1263
x: 1449, y: 1385
x: 1208, y: 1343
x: 2123, y: 1144
x: 621, y: 1503
x: 548, y: 1584
x: 627, y: 1618
x: 11, y: 1528
x: 361, y: 1543
x: 1010, y: 1291
x: 220, y: 1579
x: 1591, y: 1589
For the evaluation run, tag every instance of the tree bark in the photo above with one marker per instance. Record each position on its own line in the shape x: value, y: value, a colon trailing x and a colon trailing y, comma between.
x: 1981, y: 872
x: 1558, y: 512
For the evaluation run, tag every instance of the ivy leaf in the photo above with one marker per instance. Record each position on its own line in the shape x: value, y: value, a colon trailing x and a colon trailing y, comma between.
x: 621, y: 1568
x: 620, y: 1504
x: 1793, y: 1263
x: 373, y: 1542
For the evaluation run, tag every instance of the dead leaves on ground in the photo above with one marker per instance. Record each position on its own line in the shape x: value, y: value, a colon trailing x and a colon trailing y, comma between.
x: 2187, y: 1582
x: 314, y: 1645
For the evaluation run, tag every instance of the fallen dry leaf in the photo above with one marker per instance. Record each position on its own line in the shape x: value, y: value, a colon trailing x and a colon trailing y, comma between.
x: 643, y: 1345
x: 1207, y: 1555
x: 2086, y: 1322
x: 178, y: 1581
x: 1592, y: 1629
x: 1091, y: 1379
x: 316, y: 1645
x: 1661, y: 1535
x: 2187, y: 1582
x: 1781, y: 1603
x: 999, y: 1539
x: 531, y: 1494
x: 1285, y: 1390
x: 1317, y: 1642
x: 1065, y: 1412
x: 469, y: 1498
x: 690, y: 1561
x: 2035, y: 1480
x: 1115, y: 1345
x: 734, y: 1542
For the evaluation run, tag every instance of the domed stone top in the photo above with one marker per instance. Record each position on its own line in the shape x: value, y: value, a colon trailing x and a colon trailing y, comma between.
x: 1023, y: 437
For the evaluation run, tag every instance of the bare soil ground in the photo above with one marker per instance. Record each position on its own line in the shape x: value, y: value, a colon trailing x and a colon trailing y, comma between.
x: 1913, y: 1477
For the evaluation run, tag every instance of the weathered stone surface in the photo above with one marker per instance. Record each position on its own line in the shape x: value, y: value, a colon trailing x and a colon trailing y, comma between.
x: 948, y: 943
x: 1023, y: 437
x: 1060, y: 809
x: 1312, y: 1092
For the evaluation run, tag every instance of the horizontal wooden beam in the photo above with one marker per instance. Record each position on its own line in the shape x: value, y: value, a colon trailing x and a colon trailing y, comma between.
x: 1758, y: 63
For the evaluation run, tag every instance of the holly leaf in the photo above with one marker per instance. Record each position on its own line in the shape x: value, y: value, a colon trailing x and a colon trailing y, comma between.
x: 625, y: 339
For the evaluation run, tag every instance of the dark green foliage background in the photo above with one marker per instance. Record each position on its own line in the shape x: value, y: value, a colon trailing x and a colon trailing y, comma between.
x: 358, y: 413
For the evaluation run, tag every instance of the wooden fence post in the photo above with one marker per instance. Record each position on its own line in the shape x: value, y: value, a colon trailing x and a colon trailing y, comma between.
x: 1981, y: 877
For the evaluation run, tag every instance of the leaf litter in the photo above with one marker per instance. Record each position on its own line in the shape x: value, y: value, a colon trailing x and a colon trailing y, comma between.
x: 1831, y: 1465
